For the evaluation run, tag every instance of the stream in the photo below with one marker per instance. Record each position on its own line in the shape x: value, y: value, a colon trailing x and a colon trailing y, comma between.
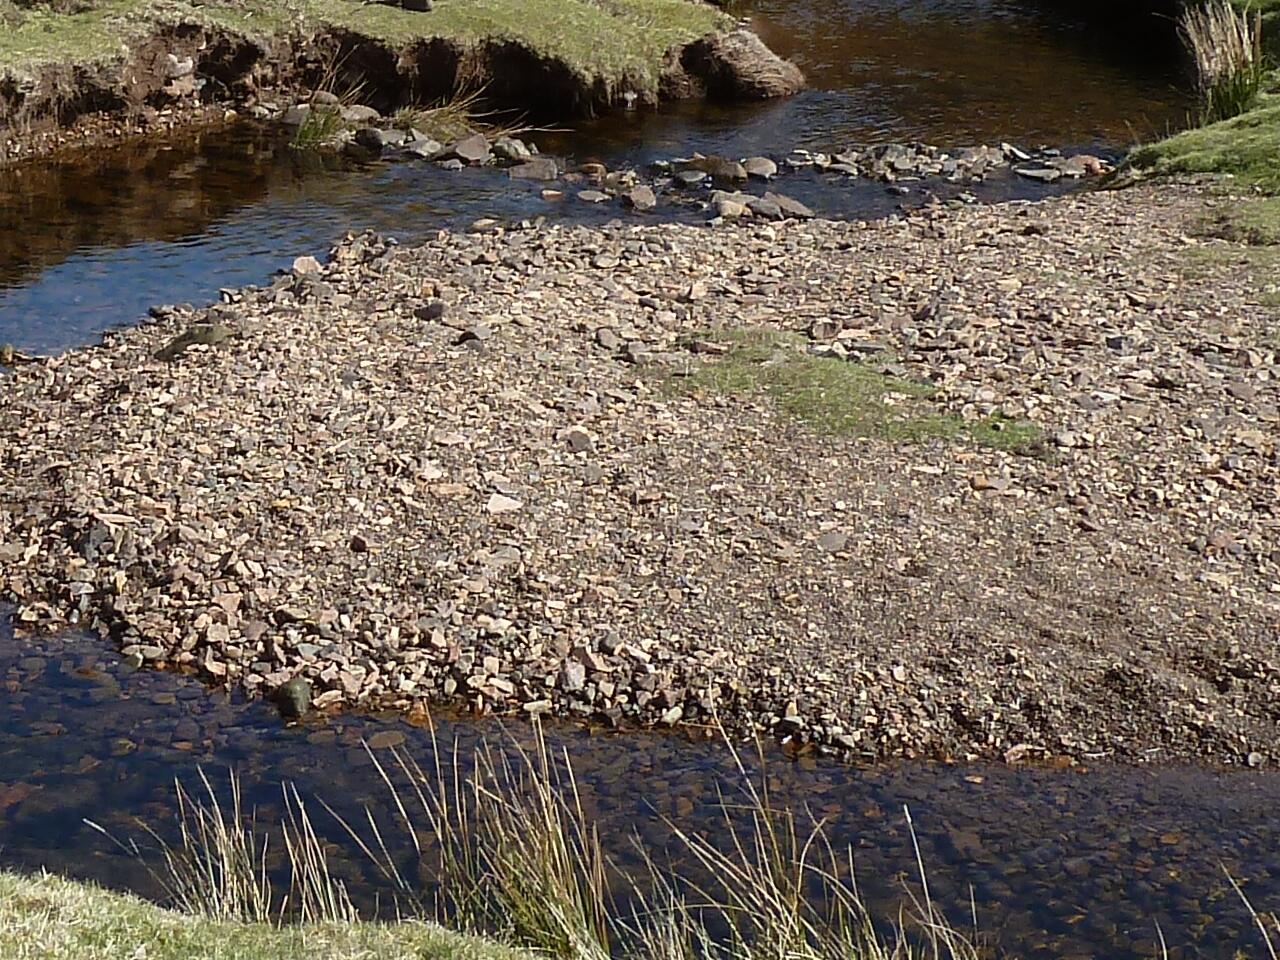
x: 1056, y: 863
x: 92, y: 240
x: 1059, y: 863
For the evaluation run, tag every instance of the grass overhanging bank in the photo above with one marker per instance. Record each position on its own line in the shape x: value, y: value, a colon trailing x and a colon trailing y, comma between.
x: 552, y: 58
x: 1233, y: 48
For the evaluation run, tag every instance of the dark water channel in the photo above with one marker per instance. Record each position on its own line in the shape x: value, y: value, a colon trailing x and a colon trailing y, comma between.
x: 92, y: 241
x: 1059, y: 863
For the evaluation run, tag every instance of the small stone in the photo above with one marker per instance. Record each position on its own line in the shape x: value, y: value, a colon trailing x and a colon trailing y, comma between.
x: 826, y: 328
x: 500, y: 503
x: 573, y: 676
x: 431, y: 311
x: 1254, y: 759
x: 293, y: 698
x: 729, y: 209
x: 762, y: 168
x: 579, y: 440
x: 833, y: 541
x: 306, y: 266
x: 791, y: 209
x: 608, y: 338
x: 358, y: 113
x: 472, y: 150
x: 592, y: 196
x: 386, y: 740
x: 640, y: 199
x: 511, y: 150
x: 539, y: 168
x: 765, y: 209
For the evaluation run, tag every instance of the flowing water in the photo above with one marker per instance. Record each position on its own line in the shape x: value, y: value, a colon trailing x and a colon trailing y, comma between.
x: 1057, y: 863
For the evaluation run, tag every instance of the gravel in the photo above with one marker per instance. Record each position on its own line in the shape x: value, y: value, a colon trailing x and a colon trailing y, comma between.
x: 460, y: 472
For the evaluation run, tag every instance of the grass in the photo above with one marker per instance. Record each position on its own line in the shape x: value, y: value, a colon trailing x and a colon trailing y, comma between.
x: 1247, y: 147
x: 1238, y: 135
x: 841, y: 397
x: 609, y: 40
x: 1225, y: 44
x: 48, y: 918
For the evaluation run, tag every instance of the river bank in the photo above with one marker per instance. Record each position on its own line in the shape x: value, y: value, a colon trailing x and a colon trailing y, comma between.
x: 983, y: 481
x: 89, y: 73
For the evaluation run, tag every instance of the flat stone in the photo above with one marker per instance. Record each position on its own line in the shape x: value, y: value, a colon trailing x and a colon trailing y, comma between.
x: 791, y: 209
x: 762, y: 168
x: 472, y: 150
x: 640, y: 199
x: 539, y: 168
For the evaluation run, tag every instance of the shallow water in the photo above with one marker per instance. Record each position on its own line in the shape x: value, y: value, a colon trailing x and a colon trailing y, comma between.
x: 1059, y: 863
x: 92, y: 241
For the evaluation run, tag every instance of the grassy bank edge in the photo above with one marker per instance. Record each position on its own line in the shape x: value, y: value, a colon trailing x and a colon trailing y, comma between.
x: 52, y: 918
x: 1245, y: 148
x: 623, y: 38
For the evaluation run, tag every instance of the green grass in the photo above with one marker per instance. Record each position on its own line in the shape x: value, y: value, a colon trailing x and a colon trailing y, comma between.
x: 49, y: 918
x: 1246, y: 147
x: 840, y: 397
x: 609, y: 39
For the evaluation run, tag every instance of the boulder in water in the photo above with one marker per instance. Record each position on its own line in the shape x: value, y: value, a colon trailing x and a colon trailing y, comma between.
x: 738, y: 66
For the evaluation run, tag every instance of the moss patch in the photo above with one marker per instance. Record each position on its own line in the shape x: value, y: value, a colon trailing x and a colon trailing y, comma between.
x: 50, y: 918
x: 841, y: 397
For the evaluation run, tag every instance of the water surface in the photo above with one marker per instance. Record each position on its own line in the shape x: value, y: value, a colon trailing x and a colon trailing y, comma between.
x: 1059, y: 863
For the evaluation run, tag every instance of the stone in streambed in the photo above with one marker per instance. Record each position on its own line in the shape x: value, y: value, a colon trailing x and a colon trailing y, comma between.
x: 790, y: 208
x: 472, y: 150
x: 539, y: 168
x: 293, y: 698
x: 762, y: 168
x: 640, y: 198
x: 511, y: 150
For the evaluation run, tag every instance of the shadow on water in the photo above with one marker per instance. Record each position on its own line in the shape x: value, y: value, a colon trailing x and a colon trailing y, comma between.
x: 1059, y: 863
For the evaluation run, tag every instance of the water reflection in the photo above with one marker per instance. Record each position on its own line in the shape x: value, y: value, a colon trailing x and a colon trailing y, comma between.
x: 1059, y: 863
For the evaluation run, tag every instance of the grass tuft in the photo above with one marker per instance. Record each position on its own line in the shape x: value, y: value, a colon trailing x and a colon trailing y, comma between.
x: 841, y: 397
x: 1225, y: 45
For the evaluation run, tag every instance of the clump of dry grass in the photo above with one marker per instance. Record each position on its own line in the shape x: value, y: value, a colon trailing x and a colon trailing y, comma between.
x: 217, y: 868
x: 458, y: 116
x: 515, y: 856
x: 1225, y: 46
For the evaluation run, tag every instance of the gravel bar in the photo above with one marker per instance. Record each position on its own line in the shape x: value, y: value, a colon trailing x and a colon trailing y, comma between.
x: 466, y: 472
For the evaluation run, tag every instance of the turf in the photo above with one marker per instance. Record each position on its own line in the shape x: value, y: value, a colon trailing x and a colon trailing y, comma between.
x: 1246, y: 148
x: 596, y: 39
x: 49, y: 918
